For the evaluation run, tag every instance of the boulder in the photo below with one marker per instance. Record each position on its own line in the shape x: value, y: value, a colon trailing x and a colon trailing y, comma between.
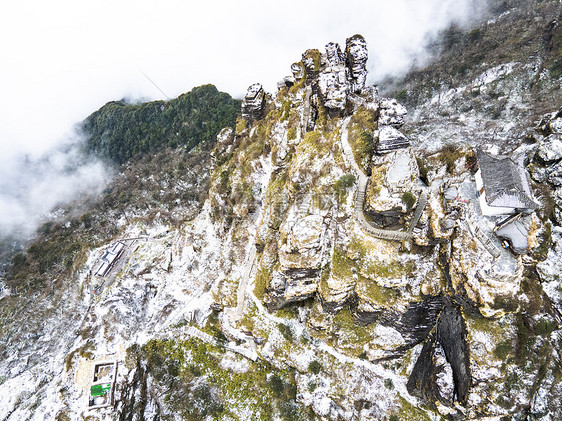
x: 550, y: 148
x: 390, y: 139
x: 356, y: 55
x: 391, y: 113
x: 253, y: 104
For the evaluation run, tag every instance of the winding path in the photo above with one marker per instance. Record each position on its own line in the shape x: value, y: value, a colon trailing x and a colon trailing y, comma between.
x: 358, y: 214
x: 362, y: 180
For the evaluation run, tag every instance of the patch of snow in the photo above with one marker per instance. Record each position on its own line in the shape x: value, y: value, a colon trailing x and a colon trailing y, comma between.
x: 234, y: 364
x: 399, y: 172
x: 13, y: 391
x: 4, y: 290
x: 494, y: 73
x: 549, y: 269
x: 550, y: 148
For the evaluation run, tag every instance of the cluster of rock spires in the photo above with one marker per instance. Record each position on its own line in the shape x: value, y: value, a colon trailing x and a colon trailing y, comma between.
x: 336, y: 81
x: 333, y: 77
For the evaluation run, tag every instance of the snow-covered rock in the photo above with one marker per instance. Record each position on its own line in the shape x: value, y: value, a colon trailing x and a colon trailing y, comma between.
x: 253, y: 103
x: 549, y: 269
x: 392, y: 113
x: 550, y: 149
x: 356, y: 53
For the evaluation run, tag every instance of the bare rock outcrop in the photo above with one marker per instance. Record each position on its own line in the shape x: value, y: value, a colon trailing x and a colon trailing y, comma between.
x: 333, y: 80
x: 300, y: 259
x: 391, y: 112
x: 390, y: 139
x: 550, y: 149
x: 546, y: 167
x: 298, y: 70
x: 333, y: 77
x: 393, y: 188
x: 253, y: 104
x: 357, y: 55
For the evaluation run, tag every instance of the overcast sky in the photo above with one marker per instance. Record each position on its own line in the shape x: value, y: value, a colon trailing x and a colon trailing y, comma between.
x: 60, y: 60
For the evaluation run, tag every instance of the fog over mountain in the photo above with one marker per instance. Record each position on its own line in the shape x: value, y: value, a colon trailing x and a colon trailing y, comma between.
x: 30, y: 186
x: 61, y: 60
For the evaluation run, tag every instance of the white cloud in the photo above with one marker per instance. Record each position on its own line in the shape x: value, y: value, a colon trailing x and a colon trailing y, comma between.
x: 30, y: 187
x: 62, y: 59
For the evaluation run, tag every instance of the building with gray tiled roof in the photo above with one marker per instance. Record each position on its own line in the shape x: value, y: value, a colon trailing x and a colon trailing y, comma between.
x: 503, y: 185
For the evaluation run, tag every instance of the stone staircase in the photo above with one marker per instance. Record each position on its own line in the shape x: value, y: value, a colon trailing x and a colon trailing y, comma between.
x: 483, y: 238
x: 419, y: 210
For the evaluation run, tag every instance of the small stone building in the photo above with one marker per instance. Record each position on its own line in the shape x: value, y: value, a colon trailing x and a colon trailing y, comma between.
x: 110, y: 258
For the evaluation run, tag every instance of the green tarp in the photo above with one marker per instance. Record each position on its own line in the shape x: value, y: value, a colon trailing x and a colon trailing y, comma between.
x: 100, y: 389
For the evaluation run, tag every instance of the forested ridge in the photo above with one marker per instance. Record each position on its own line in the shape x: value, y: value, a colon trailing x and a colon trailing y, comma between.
x: 119, y: 130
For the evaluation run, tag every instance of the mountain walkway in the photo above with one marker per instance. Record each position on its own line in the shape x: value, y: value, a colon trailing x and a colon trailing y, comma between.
x: 362, y: 181
x: 483, y: 238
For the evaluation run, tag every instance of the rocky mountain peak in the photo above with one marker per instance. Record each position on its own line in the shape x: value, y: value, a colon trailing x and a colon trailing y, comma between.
x: 334, y: 54
x: 316, y: 242
x: 334, y: 77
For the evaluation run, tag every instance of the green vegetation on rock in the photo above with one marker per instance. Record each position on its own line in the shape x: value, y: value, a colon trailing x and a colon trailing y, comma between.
x: 344, y: 183
x: 196, y: 386
x: 119, y: 131
x: 361, y: 128
x: 409, y: 200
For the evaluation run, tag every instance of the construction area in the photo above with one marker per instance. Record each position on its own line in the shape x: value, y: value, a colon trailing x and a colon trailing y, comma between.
x: 103, y: 385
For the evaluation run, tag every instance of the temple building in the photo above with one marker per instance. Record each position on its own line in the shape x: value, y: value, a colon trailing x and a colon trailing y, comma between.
x: 503, y: 185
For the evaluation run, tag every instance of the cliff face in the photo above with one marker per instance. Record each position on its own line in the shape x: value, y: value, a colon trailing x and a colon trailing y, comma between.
x: 340, y: 267
x: 348, y: 219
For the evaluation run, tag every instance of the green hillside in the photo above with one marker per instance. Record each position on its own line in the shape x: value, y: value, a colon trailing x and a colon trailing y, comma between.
x: 118, y: 130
